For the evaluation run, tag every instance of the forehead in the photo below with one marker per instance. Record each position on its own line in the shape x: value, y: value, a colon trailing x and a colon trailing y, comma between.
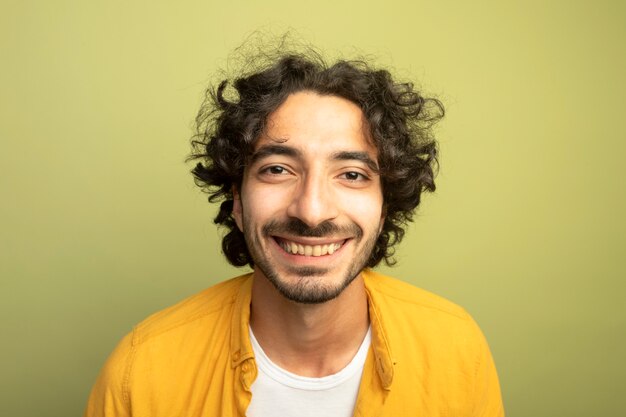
x: 318, y: 124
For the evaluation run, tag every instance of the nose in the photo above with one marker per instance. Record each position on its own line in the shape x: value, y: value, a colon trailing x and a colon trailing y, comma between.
x: 313, y: 202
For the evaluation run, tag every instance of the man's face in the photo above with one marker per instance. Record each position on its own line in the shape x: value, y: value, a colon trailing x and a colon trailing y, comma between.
x: 310, y: 204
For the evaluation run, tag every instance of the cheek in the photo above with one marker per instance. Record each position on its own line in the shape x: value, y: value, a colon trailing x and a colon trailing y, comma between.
x: 366, y: 210
x: 261, y: 205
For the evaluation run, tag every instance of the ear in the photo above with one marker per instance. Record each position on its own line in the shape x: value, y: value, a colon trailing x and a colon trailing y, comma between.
x: 237, y: 210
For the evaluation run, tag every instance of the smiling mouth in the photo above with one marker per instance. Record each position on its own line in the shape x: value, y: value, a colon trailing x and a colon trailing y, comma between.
x: 296, y: 248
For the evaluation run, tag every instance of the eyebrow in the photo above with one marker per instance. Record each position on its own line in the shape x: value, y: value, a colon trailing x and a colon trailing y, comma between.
x: 357, y: 156
x: 270, y: 150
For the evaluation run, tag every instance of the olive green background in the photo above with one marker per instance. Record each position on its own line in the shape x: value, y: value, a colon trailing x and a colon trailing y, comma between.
x: 101, y: 223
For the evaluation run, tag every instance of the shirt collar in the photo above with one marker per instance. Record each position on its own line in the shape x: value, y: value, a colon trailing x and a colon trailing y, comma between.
x: 241, y: 347
x: 380, y: 340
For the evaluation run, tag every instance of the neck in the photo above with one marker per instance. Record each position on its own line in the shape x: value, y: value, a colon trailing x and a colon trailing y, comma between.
x: 311, y: 340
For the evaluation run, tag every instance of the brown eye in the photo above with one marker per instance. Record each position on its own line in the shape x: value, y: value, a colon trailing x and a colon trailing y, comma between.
x: 276, y: 170
x: 354, y: 176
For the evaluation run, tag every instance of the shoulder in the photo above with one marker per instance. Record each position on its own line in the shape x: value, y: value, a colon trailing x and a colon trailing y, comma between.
x: 212, y: 301
x: 415, y: 320
x: 164, y: 343
x: 410, y: 313
x: 435, y: 345
x: 392, y: 293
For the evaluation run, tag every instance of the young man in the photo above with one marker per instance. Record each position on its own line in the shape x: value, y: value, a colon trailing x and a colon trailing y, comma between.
x: 318, y: 169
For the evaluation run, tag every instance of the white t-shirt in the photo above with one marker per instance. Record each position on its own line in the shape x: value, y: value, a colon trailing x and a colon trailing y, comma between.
x: 277, y: 392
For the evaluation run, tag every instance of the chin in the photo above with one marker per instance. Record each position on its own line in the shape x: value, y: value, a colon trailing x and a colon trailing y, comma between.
x: 306, y: 287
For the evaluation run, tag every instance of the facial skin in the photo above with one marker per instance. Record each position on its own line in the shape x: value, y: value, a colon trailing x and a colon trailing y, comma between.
x: 310, y: 204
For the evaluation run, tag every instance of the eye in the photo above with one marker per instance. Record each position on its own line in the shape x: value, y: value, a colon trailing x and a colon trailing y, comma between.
x: 274, y: 170
x: 354, y: 176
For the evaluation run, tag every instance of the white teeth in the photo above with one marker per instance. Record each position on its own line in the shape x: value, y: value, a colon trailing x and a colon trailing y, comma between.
x: 308, y: 250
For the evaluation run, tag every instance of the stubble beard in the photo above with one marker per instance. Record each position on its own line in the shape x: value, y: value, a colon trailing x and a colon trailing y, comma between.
x: 308, y: 289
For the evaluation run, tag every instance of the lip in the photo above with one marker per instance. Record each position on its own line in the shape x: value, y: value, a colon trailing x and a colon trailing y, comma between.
x: 310, y: 241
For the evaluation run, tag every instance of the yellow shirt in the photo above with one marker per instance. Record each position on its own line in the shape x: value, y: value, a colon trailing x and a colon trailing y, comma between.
x: 427, y: 358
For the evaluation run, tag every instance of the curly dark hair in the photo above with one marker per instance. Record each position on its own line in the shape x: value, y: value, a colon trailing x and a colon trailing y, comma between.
x: 400, y: 121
